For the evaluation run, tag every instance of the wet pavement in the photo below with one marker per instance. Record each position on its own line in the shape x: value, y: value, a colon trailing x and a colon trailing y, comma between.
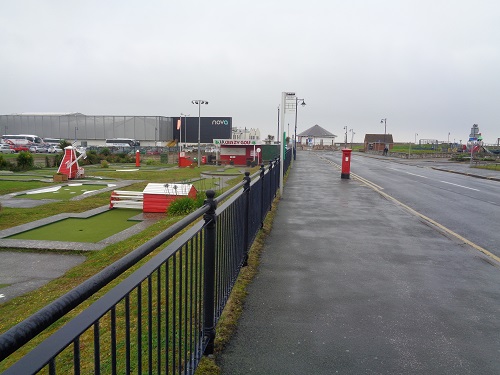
x: 351, y: 283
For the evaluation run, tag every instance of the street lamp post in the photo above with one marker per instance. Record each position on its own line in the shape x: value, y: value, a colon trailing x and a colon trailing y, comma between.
x: 278, y: 133
x: 199, y: 102
x: 352, y: 135
x: 384, y: 121
x: 345, y: 138
x: 303, y: 104
x: 185, y: 131
x: 416, y: 134
x: 156, y: 143
x: 449, y: 137
x: 76, y: 126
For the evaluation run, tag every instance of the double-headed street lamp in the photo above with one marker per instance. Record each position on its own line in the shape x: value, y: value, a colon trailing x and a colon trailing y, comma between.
x: 303, y: 104
x: 199, y: 102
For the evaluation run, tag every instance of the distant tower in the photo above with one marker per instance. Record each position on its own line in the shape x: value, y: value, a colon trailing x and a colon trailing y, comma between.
x: 474, y: 132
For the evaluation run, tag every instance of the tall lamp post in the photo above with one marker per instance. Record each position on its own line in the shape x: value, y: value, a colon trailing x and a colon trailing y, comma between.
x: 384, y: 121
x: 156, y: 143
x: 185, y: 129
x: 76, y: 126
x: 278, y: 134
x: 352, y: 135
x: 345, y: 138
x: 303, y: 104
x: 416, y: 134
x: 199, y: 102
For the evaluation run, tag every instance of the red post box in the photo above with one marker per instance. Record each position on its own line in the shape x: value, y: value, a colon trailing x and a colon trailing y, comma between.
x: 346, y: 163
x: 203, y: 159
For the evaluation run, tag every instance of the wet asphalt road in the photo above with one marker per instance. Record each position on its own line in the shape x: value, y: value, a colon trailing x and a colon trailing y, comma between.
x: 466, y: 205
x: 351, y: 283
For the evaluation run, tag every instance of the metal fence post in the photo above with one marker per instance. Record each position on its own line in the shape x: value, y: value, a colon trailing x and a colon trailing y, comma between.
x: 271, y: 179
x: 278, y: 174
x: 262, y: 198
x: 246, y: 215
x: 209, y: 273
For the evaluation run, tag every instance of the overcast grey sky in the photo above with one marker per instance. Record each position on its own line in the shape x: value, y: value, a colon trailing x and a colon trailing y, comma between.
x: 429, y: 66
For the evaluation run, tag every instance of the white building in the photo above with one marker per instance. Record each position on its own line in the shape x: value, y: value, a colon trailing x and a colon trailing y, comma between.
x: 316, y: 136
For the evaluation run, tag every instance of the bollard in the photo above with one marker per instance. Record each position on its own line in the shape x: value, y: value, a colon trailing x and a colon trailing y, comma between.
x: 346, y: 163
x: 137, y: 158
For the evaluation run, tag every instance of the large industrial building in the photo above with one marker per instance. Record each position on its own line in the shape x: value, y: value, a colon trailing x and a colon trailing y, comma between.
x: 93, y: 130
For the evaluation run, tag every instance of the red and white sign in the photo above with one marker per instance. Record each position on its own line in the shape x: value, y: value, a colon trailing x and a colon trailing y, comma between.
x: 234, y: 142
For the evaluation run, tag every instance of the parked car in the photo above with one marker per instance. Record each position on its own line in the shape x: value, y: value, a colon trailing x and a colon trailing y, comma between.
x: 39, y: 149
x: 54, y: 149
x: 19, y: 148
x: 6, y: 149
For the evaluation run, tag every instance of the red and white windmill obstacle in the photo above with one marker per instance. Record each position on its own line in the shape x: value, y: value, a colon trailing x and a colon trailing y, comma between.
x: 69, y: 164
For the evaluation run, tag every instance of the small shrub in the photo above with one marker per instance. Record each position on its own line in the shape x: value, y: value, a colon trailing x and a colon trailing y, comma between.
x: 152, y: 162
x: 25, y: 161
x: 58, y: 159
x: 200, y: 198
x: 92, y: 158
x: 64, y: 143
x: 181, y: 206
x: 105, y: 151
x: 104, y: 164
x: 4, y: 164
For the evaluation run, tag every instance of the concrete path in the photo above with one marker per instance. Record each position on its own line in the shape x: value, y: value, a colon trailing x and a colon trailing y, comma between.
x: 351, y: 283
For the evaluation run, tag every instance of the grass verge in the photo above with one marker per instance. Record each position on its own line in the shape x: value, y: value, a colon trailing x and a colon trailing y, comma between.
x: 490, y: 167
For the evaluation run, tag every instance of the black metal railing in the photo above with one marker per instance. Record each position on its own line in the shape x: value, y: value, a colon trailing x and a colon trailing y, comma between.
x: 162, y: 317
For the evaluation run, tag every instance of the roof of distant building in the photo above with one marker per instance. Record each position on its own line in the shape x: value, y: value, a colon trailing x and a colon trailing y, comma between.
x: 317, y: 132
x: 47, y: 114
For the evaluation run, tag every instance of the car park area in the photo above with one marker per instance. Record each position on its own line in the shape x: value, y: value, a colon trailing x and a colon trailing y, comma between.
x: 6, y: 149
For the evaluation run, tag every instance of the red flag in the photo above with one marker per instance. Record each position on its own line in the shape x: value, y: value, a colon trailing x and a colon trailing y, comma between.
x: 178, y: 124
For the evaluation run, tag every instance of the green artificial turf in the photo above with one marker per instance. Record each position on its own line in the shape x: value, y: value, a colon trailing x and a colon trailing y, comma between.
x: 7, y: 187
x: 64, y: 193
x: 93, y: 229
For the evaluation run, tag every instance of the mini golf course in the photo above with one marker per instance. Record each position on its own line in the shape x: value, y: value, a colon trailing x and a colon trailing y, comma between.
x: 61, y: 192
x: 93, y: 229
